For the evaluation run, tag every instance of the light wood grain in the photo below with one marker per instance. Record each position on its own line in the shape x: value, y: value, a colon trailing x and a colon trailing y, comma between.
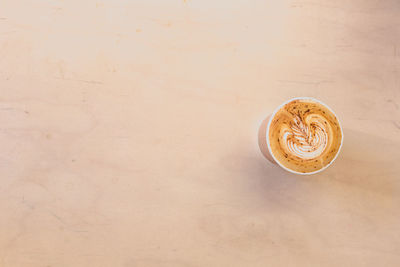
x: 129, y: 133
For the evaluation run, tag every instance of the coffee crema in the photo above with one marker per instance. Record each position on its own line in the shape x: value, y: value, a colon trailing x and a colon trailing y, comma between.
x: 304, y: 135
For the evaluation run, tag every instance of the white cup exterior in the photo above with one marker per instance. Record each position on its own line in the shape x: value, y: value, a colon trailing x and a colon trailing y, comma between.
x: 263, y: 137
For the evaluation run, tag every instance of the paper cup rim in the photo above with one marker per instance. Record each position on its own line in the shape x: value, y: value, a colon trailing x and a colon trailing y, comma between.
x: 269, y: 145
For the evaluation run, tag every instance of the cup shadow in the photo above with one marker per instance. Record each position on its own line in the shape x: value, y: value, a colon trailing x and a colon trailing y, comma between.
x: 260, y: 183
x: 366, y: 161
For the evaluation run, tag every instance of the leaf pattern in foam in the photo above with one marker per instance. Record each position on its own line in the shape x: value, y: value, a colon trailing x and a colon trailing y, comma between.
x: 301, y: 132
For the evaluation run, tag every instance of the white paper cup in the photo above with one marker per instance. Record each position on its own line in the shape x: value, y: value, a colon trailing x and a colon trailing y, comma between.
x: 263, y: 137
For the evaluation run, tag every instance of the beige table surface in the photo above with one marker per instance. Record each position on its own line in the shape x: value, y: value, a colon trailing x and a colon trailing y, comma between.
x: 129, y: 133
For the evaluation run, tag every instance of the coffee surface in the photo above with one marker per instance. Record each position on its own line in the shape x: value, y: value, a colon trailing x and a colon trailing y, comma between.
x: 304, y: 135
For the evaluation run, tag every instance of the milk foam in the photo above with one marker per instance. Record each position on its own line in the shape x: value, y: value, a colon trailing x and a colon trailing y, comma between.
x: 304, y: 135
x: 305, y: 139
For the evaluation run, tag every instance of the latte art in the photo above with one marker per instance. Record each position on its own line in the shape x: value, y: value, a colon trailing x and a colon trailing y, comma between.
x: 304, y: 135
x: 305, y: 140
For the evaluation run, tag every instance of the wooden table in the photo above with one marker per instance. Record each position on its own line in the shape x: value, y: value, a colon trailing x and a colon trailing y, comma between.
x: 129, y: 133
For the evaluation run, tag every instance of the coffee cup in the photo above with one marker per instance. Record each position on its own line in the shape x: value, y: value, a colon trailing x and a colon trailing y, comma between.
x: 302, y: 135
